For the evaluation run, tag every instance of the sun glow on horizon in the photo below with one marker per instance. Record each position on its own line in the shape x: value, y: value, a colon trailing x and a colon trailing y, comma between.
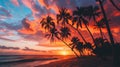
x: 65, y: 53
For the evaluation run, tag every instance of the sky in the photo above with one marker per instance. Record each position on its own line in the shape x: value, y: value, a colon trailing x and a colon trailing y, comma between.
x: 21, y: 33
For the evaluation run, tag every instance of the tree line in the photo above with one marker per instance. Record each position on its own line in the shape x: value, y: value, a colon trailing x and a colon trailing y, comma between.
x: 66, y: 22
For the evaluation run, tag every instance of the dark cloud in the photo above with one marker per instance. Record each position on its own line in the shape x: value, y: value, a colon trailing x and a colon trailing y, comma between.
x: 5, y: 47
x: 29, y: 49
x: 26, y: 24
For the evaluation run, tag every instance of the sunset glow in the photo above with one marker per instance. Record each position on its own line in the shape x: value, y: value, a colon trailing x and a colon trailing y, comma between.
x: 21, y: 32
x: 64, y: 53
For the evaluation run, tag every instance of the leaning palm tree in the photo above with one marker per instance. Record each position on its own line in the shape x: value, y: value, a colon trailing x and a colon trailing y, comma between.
x: 47, y: 23
x: 75, y: 43
x: 64, y: 16
x: 80, y: 19
x: 65, y: 33
x: 53, y: 33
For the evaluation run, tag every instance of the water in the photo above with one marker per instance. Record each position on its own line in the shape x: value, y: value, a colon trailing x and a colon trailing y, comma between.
x: 28, y: 60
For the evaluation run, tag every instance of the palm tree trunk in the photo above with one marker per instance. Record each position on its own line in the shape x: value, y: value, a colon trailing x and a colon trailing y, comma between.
x: 115, y: 57
x: 68, y: 46
x: 90, y: 33
x: 78, y: 33
x: 115, y: 5
x: 98, y: 27
x: 101, y: 33
x: 107, y: 23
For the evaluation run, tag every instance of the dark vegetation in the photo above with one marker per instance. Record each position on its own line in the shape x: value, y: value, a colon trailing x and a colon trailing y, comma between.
x: 67, y: 22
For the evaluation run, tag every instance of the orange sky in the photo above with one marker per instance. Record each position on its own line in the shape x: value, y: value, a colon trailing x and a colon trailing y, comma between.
x: 22, y: 28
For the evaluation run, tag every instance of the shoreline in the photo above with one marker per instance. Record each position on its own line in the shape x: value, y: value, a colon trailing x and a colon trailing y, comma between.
x: 86, y: 61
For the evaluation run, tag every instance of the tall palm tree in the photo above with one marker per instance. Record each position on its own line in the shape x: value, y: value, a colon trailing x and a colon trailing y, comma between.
x: 64, y: 16
x: 47, y: 23
x: 80, y: 19
x: 75, y: 43
x: 115, y: 57
x: 106, y: 22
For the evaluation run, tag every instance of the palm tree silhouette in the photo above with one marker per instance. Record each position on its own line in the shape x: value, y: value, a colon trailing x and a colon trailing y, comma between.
x: 115, y: 57
x: 65, y: 32
x: 79, y: 17
x: 53, y: 33
x: 64, y: 16
x: 75, y: 43
x: 92, y: 12
x: 88, y: 46
x: 47, y: 23
x: 100, y: 24
x: 106, y: 21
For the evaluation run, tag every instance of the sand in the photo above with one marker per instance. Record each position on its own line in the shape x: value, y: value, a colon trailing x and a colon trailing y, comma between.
x: 82, y: 62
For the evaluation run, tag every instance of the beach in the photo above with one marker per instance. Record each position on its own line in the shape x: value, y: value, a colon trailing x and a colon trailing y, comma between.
x: 29, y: 60
x: 86, y: 61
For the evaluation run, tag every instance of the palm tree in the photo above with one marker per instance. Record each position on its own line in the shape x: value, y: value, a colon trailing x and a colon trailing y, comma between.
x: 100, y: 24
x: 47, y: 23
x: 65, y: 32
x: 92, y: 12
x: 77, y: 44
x: 106, y: 22
x: 115, y: 56
x: 79, y: 19
x: 53, y: 33
x: 88, y: 46
x: 64, y: 16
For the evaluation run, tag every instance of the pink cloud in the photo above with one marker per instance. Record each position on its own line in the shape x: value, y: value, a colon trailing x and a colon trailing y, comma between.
x: 15, y: 2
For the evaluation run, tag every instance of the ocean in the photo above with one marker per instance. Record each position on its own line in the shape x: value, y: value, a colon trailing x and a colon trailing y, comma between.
x: 28, y: 60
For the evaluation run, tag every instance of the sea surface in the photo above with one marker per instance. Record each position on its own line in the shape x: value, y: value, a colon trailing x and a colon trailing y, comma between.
x: 28, y: 60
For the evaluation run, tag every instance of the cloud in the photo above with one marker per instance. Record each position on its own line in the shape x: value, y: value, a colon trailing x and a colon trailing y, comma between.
x: 2, y: 38
x: 15, y: 2
x: 4, y: 13
x: 29, y: 49
x: 5, y: 47
x: 29, y: 27
x: 10, y: 26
